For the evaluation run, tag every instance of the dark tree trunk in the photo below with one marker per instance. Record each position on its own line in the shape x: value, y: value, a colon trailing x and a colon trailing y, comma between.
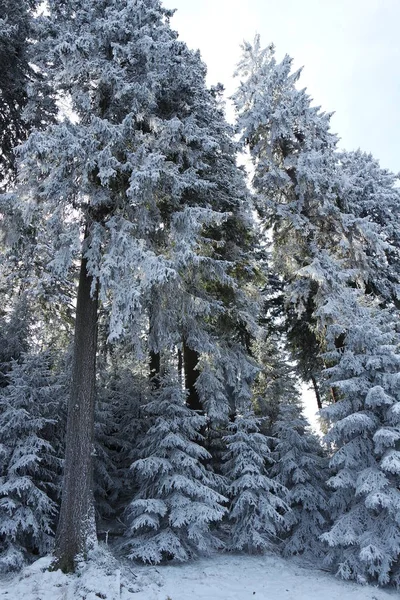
x: 180, y: 367
x: 190, y: 360
x: 155, y: 369
x: 316, y: 390
x: 76, y: 531
x: 334, y: 395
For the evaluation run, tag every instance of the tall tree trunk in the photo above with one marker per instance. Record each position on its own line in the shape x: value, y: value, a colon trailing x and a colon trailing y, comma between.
x: 334, y: 395
x: 155, y: 369
x: 316, y: 390
x: 153, y: 338
x: 76, y: 531
x: 180, y: 367
x: 190, y: 360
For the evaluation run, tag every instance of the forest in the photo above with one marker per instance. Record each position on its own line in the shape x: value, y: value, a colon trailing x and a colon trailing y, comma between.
x: 169, y: 282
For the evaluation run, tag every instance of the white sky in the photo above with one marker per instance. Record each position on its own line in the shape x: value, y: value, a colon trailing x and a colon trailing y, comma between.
x: 350, y: 50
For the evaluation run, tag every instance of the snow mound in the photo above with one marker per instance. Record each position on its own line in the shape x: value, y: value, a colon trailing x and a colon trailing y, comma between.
x: 222, y: 577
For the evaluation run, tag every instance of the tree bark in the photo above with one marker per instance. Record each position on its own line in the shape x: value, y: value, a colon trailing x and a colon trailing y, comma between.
x: 180, y: 367
x: 190, y: 360
x: 334, y: 395
x: 316, y: 390
x: 76, y: 531
x: 155, y: 369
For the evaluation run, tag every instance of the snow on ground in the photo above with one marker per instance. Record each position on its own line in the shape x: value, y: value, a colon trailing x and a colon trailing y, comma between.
x: 222, y: 577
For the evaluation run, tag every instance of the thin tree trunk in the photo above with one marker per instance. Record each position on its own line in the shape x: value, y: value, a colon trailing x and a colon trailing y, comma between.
x: 180, y: 367
x: 76, y: 531
x: 190, y: 360
x: 334, y: 395
x: 316, y: 390
x: 155, y: 369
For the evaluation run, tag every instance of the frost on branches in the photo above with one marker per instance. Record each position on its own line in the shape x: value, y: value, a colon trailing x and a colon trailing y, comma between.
x: 301, y: 467
x: 364, y: 540
x: 177, y: 503
x: 257, y: 501
x: 30, y: 461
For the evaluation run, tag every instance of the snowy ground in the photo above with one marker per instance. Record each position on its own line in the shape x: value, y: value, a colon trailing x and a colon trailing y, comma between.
x: 223, y: 577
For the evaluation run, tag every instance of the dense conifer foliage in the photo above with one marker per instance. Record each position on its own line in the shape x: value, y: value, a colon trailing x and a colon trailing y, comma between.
x: 154, y: 334
x: 300, y: 465
x: 257, y: 501
x: 177, y: 499
x: 31, y: 407
x: 336, y: 246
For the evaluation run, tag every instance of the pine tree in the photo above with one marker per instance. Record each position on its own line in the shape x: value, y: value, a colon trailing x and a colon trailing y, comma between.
x: 333, y: 230
x: 17, y: 36
x: 314, y: 198
x: 296, y: 184
x: 110, y: 175
x: 14, y: 333
x: 364, y: 540
x: 257, y: 502
x: 30, y: 459
x: 301, y: 467
x: 122, y: 391
x: 368, y: 202
x: 277, y: 381
x: 176, y: 503
x: 210, y: 303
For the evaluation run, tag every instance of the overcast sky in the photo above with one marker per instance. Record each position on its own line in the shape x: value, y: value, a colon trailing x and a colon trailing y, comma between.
x: 350, y: 50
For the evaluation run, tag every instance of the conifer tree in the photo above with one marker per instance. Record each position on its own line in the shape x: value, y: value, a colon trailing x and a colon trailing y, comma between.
x: 301, y: 467
x: 313, y: 198
x: 296, y: 182
x: 257, y: 501
x: 176, y: 503
x: 17, y: 37
x: 333, y: 230
x: 14, y: 333
x: 364, y: 540
x: 369, y: 199
x: 109, y: 176
x: 30, y: 459
x: 122, y: 392
x: 277, y: 381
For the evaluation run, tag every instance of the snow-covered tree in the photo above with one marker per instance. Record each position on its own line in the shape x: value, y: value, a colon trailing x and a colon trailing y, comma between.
x: 17, y: 36
x: 277, y: 381
x: 123, y: 389
x: 208, y: 311
x: 112, y: 178
x: 177, y: 502
x: 300, y: 465
x: 313, y: 197
x: 335, y: 241
x: 296, y: 183
x: 15, y: 324
x: 292, y: 149
x: 364, y: 540
x: 257, y: 501
x: 30, y: 458
x: 369, y: 202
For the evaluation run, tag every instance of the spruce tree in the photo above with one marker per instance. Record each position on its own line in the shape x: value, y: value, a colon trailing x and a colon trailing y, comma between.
x: 257, y: 501
x: 300, y: 465
x: 296, y: 184
x: 369, y: 201
x: 333, y: 230
x: 15, y: 325
x: 177, y: 502
x: 30, y: 459
x: 111, y: 180
x: 122, y: 392
x: 364, y: 539
x: 18, y: 34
